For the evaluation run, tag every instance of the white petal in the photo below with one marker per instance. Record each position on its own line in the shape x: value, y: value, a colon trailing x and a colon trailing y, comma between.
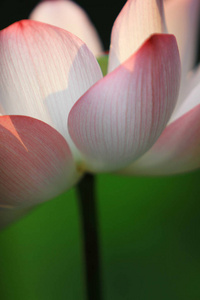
x: 136, y: 22
x: 182, y: 20
x: 191, y: 101
x: 43, y: 72
x: 176, y: 151
x: 122, y: 115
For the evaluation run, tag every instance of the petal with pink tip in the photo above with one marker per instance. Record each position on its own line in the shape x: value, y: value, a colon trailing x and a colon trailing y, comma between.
x: 136, y: 22
x: 71, y: 17
x: 43, y: 71
x: 36, y: 163
x: 176, y: 151
x: 123, y: 114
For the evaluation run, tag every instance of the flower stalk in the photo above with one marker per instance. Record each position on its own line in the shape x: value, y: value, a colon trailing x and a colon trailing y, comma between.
x: 89, y: 223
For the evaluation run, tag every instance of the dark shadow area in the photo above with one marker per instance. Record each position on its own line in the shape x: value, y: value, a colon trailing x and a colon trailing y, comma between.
x: 102, y: 13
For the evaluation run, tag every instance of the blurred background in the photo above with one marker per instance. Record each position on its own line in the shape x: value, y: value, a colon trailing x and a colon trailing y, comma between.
x: 102, y: 13
x: 149, y: 227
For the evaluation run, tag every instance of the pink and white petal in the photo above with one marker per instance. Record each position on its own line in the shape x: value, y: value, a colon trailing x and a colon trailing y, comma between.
x: 44, y: 71
x: 136, y: 22
x: 71, y: 17
x: 176, y: 151
x: 36, y: 163
x: 122, y: 115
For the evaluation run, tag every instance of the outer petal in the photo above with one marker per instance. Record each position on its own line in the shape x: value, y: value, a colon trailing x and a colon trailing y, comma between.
x: 35, y: 162
x: 70, y: 16
x: 176, y: 151
x: 135, y: 23
x: 122, y: 115
x: 43, y: 71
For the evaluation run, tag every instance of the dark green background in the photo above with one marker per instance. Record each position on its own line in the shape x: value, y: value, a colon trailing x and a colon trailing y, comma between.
x: 149, y: 241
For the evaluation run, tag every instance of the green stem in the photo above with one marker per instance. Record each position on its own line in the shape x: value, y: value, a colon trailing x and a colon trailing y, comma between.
x: 87, y: 203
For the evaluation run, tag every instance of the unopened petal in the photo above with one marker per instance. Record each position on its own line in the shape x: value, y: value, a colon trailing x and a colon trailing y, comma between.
x: 176, y: 151
x: 136, y: 22
x: 43, y: 72
x: 36, y: 163
x: 71, y: 17
x: 123, y: 114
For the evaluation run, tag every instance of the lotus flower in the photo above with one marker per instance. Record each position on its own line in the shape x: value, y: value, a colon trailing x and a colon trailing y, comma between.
x: 61, y: 117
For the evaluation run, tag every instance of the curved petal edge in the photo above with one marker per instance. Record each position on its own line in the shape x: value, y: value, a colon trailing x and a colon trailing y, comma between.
x: 122, y: 115
x: 44, y: 71
x: 137, y: 21
x: 35, y: 162
x: 176, y: 151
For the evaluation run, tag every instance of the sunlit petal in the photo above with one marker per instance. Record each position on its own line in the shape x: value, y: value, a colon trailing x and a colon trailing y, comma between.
x: 123, y: 114
x: 136, y: 22
x: 43, y: 72
x: 182, y: 20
